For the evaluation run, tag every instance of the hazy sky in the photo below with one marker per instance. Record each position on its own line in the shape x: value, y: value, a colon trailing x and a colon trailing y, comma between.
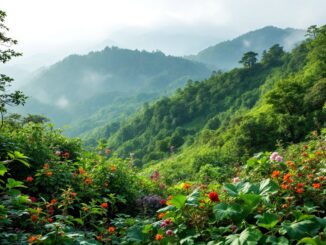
x: 50, y: 29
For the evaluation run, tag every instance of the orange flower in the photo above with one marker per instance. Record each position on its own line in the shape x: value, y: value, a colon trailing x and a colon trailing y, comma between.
x: 317, y: 153
x: 285, y: 205
x: 310, y: 176
x: 29, y: 179
x: 49, y: 173
x: 158, y: 237
x: 32, y: 239
x: 46, y: 166
x: 291, y: 164
x: 299, y: 190
x: 316, y: 185
x: 284, y: 186
x: 161, y: 215
x: 287, y: 178
x: 99, y: 237
x: 53, y: 201
x: 113, y: 168
x: 111, y: 229
x: 81, y: 170
x: 186, y: 186
x: 321, y: 178
x: 34, y: 218
x: 88, y: 181
x: 104, y: 205
x: 275, y: 174
x: 73, y: 194
x: 170, y: 197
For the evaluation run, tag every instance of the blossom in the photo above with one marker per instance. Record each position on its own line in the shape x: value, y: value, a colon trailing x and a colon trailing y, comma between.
x: 58, y: 153
x: 49, y: 173
x: 46, y: 166
x: 186, y: 186
x: 111, y: 229
x: 66, y: 154
x: 32, y: 239
x: 310, y: 176
x: 287, y: 177
x: 88, y: 181
x: 162, y: 186
x: 113, y: 168
x: 107, y: 151
x: 158, y: 237
x: 284, y: 186
x: 73, y: 194
x: 162, y: 202
x: 278, y: 159
x: 34, y: 218
x: 317, y: 153
x: 169, y: 233
x: 273, y: 156
x: 53, y: 201
x: 300, y: 185
x: 155, y: 176
x: 291, y: 164
x: 213, y: 196
x: 299, y: 190
x: 236, y: 179
x: 104, y: 205
x: 29, y: 179
x: 33, y: 199
x: 50, y: 220
x: 81, y: 170
x: 161, y: 215
x: 316, y: 185
x: 275, y: 174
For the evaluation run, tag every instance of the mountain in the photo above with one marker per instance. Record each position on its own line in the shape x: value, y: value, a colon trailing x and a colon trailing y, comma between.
x: 232, y: 114
x: 226, y: 55
x: 79, y: 85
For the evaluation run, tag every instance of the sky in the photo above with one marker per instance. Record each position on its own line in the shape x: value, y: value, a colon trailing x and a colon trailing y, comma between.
x: 48, y: 30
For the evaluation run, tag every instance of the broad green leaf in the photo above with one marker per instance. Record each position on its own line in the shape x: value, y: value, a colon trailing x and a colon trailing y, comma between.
x: 179, y: 201
x: 273, y: 240
x: 249, y: 236
x: 267, y: 220
x: 226, y: 211
x: 267, y: 186
x: 193, y: 198
x: 300, y: 229
x: 250, y: 201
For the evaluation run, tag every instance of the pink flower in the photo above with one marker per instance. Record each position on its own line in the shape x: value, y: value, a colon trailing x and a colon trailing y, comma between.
x: 33, y: 199
x: 236, y: 180
x: 278, y: 159
x: 273, y: 156
x: 169, y: 233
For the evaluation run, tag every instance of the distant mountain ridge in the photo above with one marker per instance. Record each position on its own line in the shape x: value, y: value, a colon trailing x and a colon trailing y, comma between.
x: 78, y: 86
x: 225, y: 55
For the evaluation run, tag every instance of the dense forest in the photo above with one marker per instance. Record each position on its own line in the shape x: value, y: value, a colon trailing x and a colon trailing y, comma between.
x: 238, y: 158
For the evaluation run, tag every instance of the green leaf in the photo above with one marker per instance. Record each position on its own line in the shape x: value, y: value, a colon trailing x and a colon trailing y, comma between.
x: 250, y: 201
x: 267, y: 186
x: 179, y: 201
x: 267, y: 220
x: 226, y: 211
x: 249, y: 236
x: 193, y: 198
x: 277, y: 241
x: 3, y: 169
x: 300, y: 229
x: 11, y: 184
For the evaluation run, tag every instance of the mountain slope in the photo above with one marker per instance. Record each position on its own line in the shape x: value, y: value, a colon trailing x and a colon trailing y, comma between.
x: 78, y: 86
x: 232, y: 115
x: 226, y: 55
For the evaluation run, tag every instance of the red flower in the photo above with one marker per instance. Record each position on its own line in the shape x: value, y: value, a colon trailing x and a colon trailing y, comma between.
x: 113, y: 168
x: 158, y: 237
x: 104, y: 205
x: 73, y: 194
x: 66, y: 154
x: 29, y: 179
x: 186, y: 186
x: 50, y: 220
x: 81, y: 170
x: 32, y: 239
x: 111, y: 229
x: 162, y: 202
x: 275, y: 174
x: 88, y: 181
x: 300, y: 190
x: 300, y: 185
x: 213, y: 196
x: 316, y: 185
x: 33, y: 199
x: 49, y: 173
x: 34, y: 218
x: 284, y: 186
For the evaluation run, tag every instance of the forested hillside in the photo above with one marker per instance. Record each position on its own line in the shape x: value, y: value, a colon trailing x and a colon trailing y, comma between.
x: 78, y: 86
x: 225, y: 55
x: 233, y: 114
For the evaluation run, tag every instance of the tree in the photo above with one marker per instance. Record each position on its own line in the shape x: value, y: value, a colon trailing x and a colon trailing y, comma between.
x: 249, y: 59
x: 6, y: 54
x: 273, y: 56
